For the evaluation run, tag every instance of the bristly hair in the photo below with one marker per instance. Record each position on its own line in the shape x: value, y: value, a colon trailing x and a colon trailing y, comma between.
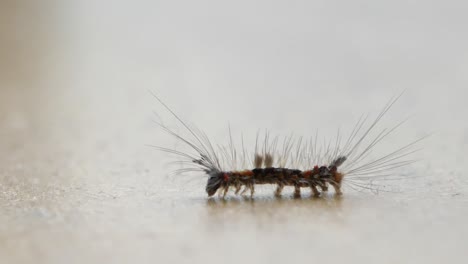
x: 293, y: 160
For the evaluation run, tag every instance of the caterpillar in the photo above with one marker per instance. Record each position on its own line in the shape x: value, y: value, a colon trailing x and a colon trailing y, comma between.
x: 291, y: 161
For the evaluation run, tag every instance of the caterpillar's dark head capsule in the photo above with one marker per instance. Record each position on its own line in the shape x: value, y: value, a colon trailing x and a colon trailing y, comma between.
x: 214, y: 182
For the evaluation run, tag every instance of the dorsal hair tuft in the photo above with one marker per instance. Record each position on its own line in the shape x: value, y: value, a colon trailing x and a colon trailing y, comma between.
x: 269, y: 160
x: 258, y: 161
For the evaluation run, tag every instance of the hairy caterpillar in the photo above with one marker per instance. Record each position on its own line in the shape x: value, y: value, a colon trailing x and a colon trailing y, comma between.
x: 291, y: 161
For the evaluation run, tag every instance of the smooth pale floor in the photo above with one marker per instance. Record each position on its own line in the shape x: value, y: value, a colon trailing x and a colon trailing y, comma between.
x: 79, y: 185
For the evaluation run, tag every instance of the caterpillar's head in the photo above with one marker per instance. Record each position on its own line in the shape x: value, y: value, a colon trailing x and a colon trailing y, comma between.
x: 214, y: 182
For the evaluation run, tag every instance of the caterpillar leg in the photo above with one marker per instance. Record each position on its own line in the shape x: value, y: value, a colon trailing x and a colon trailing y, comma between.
x: 252, y: 191
x: 315, y: 191
x: 279, y: 189
x: 246, y: 187
x: 226, y: 189
x: 337, y: 188
x: 324, y: 187
x: 297, y: 191
x: 238, y: 188
x: 249, y: 186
